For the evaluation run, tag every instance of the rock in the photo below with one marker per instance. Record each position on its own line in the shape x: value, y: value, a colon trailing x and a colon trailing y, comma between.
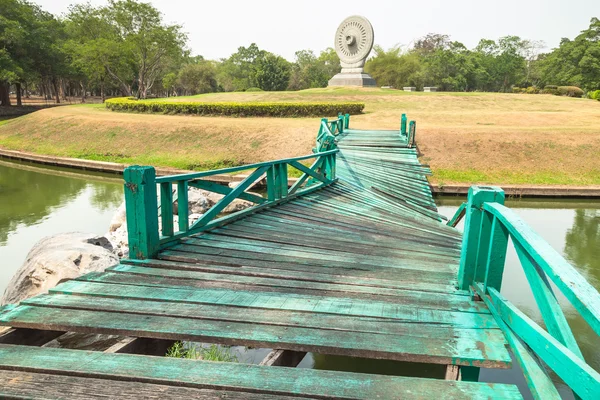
x: 119, y: 219
x: 235, y: 205
x: 58, y: 258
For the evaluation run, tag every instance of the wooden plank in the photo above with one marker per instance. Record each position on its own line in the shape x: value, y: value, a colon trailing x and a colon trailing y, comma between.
x: 452, y: 372
x: 425, y: 300
x: 40, y: 386
x: 274, y: 282
x: 283, y: 358
x: 241, y: 377
x: 273, y: 316
x: 406, y: 281
x: 433, y: 347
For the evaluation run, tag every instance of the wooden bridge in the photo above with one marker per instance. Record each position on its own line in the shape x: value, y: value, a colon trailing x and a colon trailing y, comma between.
x: 352, y: 259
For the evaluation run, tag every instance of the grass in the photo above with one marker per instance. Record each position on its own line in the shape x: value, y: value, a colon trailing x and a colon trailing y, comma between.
x: 469, y: 138
x: 195, y: 352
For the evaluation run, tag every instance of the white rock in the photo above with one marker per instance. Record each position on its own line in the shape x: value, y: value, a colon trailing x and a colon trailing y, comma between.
x: 118, y: 219
x: 58, y: 258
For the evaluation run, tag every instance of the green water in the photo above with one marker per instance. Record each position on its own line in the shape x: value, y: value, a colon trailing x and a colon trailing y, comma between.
x: 36, y: 202
x: 39, y: 201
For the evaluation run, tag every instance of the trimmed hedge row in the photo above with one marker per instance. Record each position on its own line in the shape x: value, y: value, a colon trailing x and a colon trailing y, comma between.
x: 234, y: 109
x: 569, y: 91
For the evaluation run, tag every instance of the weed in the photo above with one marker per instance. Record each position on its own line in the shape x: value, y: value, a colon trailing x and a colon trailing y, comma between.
x: 195, y: 352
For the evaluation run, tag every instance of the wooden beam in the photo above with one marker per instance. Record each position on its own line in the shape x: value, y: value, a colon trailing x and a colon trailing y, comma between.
x: 452, y: 373
x: 283, y: 358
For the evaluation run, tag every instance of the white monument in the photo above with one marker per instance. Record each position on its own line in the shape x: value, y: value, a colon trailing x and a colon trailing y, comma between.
x: 353, y: 43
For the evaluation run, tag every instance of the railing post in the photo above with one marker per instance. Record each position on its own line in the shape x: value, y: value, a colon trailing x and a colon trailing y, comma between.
x: 473, y: 233
x: 412, y: 132
x: 346, y: 121
x: 340, y: 123
x: 142, y: 212
x: 403, y: 124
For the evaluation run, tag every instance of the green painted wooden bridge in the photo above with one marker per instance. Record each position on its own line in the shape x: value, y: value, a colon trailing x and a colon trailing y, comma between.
x: 352, y: 259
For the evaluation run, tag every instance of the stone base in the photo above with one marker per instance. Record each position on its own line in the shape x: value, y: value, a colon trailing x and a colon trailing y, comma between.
x: 356, y: 79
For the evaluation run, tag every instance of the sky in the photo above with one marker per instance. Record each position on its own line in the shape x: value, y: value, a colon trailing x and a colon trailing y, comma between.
x: 217, y: 28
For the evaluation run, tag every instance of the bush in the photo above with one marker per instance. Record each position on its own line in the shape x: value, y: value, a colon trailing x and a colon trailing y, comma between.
x: 532, y: 90
x: 516, y: 89
x: 308, y: 109
x: 550, y: 91
x: 551, y: 87
x: 569, y: 91
x: 594, y: 94
x: 254, y: 89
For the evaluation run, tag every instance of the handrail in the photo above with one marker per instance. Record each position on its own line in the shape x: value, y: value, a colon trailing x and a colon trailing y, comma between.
x: 143, y: 190
x: 488, y: 227
x: 458, y: 215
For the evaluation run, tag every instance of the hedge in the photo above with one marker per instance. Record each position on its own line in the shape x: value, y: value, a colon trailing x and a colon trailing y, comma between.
x: 309, y: 109
x: 570, y: 91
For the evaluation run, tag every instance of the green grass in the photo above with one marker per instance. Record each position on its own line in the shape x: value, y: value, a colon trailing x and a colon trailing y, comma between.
x: 467, y: 138
x: 195, y: 352
x: 445, y: 176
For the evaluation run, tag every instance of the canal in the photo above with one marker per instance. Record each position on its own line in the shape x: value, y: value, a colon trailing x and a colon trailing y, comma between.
x: 40, y: 201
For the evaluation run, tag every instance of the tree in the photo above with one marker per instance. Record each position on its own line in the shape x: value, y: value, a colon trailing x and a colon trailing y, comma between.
x: 395, y: 68
x: 169, y: 81
x: 575, y: 62
x: 198, y: 78
x: 126, y: 41
x: 272, y: 72
x: 238, y: 72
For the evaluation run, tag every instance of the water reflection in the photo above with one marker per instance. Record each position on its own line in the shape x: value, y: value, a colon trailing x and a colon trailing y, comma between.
x: 41, y: 201
x: 582, y: 244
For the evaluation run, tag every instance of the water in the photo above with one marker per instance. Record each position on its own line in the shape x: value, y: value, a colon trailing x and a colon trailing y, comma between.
x: 36, y: 202
x: 39, y: 201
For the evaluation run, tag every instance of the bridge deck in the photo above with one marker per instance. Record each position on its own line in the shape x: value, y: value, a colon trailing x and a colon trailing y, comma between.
x: 361, y: 268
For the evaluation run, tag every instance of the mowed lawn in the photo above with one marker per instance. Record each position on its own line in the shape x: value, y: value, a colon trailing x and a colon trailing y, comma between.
x: 465, y: 137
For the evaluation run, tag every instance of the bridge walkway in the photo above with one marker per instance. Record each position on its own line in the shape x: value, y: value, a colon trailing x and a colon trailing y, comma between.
x: 362, y: 267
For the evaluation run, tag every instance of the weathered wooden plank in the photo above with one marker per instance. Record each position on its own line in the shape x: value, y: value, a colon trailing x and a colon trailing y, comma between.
x: 400, y: 323
x: 405, y: 282
x: 40, y: 386
x: 283, y: 358
x: 274, y: 281
x: 426, y: 300
x: 435, y: 346
x: 241, y: 377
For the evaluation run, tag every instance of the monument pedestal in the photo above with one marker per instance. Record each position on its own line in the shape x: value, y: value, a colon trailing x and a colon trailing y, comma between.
x: 352, y: 79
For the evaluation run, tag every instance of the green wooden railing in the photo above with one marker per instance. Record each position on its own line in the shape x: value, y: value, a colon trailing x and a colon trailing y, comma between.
x: 148, y: 198
x: 488, y: 227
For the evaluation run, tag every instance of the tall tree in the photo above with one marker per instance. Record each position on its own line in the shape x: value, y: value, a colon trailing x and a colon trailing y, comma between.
x: 272, y: 72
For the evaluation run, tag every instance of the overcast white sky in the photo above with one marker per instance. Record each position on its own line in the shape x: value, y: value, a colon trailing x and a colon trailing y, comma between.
x: 217, y: 28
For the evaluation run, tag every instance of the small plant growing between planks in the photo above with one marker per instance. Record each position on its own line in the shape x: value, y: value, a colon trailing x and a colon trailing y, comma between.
x: 195, y: 352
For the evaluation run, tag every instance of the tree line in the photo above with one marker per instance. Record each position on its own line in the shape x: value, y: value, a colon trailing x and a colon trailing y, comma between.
x: 125, y: 48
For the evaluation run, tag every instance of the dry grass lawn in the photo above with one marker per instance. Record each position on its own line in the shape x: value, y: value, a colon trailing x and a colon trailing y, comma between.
x: 465, y: 137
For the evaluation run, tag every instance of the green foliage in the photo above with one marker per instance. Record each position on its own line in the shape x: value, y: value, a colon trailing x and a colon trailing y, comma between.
x: 569, y: 91
x: 194, y: 352
x: 575, y: 62
x: 272, y: 72
x: 197, y: 78
x: 235, y: 109
x: 309, y: 71
x: 254, y: 89
x: 532, y: 90
x: 395, y: 68
x: 595, y: 95
x: 551, y: 87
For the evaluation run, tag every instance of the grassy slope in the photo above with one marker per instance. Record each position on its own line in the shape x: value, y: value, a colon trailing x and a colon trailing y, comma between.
x: 465, y: 137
